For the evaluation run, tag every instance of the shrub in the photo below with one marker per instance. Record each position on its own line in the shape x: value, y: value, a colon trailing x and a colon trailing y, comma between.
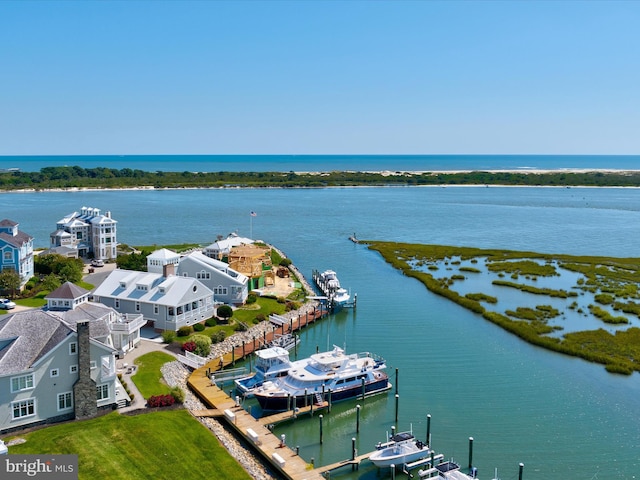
x: 198, y: 327
x: 168, y: 336
x: 261, y: 317
x: 211, y: 322
x: 218, y: 336
x: 225, y: 312
x: 189, y: 346
x: 240, y: 327
x: 178, y: 394
x: 185, y: 331
x: 203, y: 345
x: 160, y: 401
x: 281, y: 300
x: 251, y: 298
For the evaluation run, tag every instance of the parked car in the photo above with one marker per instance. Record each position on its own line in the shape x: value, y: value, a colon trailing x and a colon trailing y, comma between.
x: 6, y: 304
x: 97, y: 263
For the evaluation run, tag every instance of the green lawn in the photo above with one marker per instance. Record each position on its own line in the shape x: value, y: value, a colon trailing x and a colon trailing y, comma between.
x: 164, y: 444
x: 148, y: 377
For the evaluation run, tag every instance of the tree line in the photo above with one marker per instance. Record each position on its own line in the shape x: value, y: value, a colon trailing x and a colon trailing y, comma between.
x: 102, y: 177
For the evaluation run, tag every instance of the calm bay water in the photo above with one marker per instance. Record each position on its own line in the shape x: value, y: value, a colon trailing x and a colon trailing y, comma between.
x: 564, y: 418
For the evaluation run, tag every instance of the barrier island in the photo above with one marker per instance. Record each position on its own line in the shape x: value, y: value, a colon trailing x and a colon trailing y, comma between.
x: 583, y: 306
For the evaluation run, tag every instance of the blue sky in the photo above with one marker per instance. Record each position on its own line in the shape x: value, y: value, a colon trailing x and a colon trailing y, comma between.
x: 319, y: 77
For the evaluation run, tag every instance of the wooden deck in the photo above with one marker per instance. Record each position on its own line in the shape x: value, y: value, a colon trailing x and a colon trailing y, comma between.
x: 284, y: 459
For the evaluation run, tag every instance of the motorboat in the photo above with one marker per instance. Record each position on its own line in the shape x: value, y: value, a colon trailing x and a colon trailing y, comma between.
x: 333, y: 374
x: 448, y: 470
x: 287, y: 341
x: 329, y: 285
x: 271, y: 363
x: 401, y: 449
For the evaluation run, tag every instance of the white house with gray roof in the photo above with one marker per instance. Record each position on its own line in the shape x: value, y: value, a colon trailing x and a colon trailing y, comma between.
x: 228, y: 286
x: 221, y: 248
x: 43, y: 362
x: 166, y: 302
x: 89, y: 231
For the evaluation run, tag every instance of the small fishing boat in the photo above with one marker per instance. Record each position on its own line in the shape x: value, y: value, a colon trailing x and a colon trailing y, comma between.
x: 287, y: 341
x: 449, y: 470
x: 271, y: 363
x: 401, y: 449
x: 313, y: 379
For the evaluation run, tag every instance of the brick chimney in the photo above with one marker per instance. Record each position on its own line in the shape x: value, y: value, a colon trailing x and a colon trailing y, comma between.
x: 168, y: 270
x: 84, y: 390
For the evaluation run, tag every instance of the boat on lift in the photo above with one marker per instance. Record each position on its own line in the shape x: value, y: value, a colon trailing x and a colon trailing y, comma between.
x: 401, y: 449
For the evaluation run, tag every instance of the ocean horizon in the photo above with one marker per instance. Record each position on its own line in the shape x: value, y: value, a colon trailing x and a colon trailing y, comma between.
x: 322, y: 163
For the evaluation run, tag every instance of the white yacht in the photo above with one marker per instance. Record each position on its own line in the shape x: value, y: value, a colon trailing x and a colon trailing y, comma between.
x: 333, y: 373
x: 270, y: 364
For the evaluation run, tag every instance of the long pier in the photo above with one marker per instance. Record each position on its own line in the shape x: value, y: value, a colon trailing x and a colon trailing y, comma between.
x: 239, y: 352
x: 255, y: 432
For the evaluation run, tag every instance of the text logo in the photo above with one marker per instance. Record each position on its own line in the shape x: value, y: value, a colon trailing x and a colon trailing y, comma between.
x: 50, y: 467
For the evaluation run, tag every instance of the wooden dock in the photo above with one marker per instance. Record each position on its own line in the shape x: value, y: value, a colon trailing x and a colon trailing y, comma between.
x: 245, y: 349
x: 284, y: 459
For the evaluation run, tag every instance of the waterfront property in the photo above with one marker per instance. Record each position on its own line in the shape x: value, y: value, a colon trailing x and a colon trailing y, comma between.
x: 52, y: 370
x: 16, y: 248
x: 166, y: 302
x: 221, y: 248
x: 90, y: 232
x: 228, y: 285
x: 119, y: 331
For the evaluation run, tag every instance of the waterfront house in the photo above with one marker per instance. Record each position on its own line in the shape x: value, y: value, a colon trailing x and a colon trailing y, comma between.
x: 51, y: 371
x: 228, y: 286
x: 89, y: 231
x: 221, y: 248
x: 167, y: 302
x: 72, y: 304
x: 16, y: 248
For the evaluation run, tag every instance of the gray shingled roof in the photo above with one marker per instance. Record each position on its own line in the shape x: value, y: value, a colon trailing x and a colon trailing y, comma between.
x: 16, y: 240
x: 28, y: 336
x: 96, y: 313
x: 68, y: 291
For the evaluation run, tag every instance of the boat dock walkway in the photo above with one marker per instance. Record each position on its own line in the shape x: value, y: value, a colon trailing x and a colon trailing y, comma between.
x: 255, y: 432
x: 245, y: 349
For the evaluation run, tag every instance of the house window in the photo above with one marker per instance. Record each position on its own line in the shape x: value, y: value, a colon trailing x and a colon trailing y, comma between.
x: 117, y: 303
x: 137, y: 306
x: 23, y: 408
x: 93, y: 364
x: 25, y: 382
x: 103, y: 391
x: 73, y: 348
x: 54, y: 372
x: 155, y: 309
x: 65, y: 401
x: 73, y: 369
x: 8, y: 256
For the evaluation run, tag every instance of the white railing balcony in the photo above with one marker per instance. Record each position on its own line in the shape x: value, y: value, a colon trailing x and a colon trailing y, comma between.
x: 108, y: 367
x: 131, y: 322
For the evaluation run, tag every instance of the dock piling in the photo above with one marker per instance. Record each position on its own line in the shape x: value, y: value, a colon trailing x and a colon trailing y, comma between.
x: 320, y: 417
x: 520, y: 471
x: 470, y: 452
x: 354, y: 453
x: 397, y: 401
x: 357, y: 418
x: 428, y: 441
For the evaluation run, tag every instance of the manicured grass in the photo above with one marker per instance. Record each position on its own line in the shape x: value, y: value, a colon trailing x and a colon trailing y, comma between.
x: 163, y: 444
x: 148, y: 378
x: 33, y: 302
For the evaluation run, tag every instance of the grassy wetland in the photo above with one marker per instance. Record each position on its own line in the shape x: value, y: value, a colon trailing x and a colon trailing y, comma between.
x: 583, y: 306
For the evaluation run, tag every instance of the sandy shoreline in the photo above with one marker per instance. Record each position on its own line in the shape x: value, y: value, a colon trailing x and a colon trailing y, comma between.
x: 384, y: 173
